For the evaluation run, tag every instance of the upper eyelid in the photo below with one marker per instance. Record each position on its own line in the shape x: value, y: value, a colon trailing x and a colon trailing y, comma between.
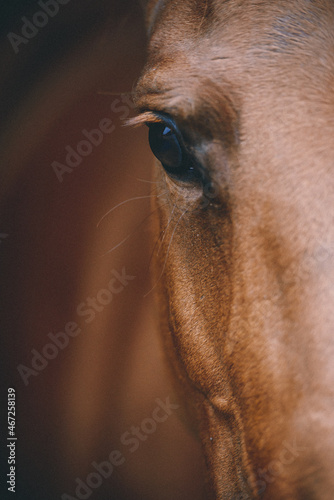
x: 151, y: 117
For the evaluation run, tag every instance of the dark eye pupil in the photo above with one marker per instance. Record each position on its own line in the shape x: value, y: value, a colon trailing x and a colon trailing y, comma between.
x: 165, y: 146
x: 168, y: 145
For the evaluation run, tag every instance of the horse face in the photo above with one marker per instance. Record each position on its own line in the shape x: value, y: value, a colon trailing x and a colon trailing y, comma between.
x: 239, y: 98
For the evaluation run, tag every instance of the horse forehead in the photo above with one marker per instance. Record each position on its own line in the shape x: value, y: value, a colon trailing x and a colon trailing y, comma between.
x: 241, y: 46
x: 268, y: 27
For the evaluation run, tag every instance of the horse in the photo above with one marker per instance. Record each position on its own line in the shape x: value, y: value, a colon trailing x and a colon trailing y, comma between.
x: 238, y: 97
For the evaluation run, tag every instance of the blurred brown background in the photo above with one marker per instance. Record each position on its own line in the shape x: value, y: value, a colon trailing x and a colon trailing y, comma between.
x: 67, y: 77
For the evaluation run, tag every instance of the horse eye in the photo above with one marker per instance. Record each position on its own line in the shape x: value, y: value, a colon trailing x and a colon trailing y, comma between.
x: 167, y: 146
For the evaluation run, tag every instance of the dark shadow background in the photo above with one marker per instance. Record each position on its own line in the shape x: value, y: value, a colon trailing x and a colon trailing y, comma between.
x: 54, y: 255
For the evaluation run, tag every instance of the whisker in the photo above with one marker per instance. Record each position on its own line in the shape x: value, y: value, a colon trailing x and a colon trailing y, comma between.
x: 163, y: 268
x: 131, y: 234
x: 163, y: 232
x: 127, y: 201
x: 106, y: 92
x: 145, y: 180
x: 168, y: 224
x: 142, y: 180
x: 148, y: 182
